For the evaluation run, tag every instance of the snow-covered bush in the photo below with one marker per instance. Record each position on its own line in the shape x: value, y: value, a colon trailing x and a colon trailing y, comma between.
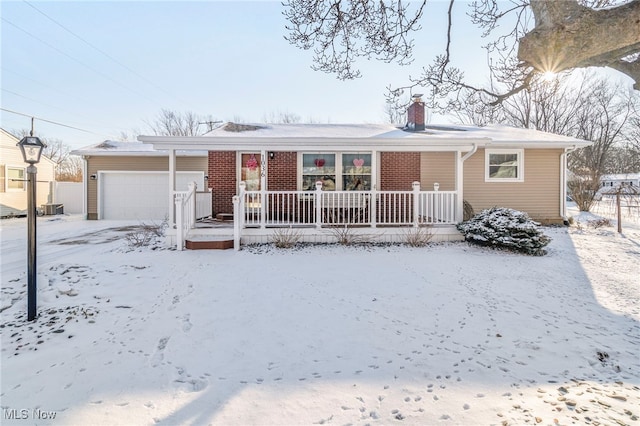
x: 506, y: 228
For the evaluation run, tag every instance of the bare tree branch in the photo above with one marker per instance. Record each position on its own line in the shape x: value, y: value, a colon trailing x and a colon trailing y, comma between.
x: 172, y: 123
x: 566, y: 34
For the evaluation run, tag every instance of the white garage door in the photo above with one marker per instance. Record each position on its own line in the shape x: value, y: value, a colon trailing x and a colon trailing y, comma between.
x: 140, y: 195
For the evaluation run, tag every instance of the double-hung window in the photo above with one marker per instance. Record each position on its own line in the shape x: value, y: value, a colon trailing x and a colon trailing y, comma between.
x: 341, y: 171
x: 504, y: 165
x: 15, y: 178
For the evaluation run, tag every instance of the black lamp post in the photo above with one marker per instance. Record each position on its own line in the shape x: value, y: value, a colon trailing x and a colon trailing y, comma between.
x: 31, y: 148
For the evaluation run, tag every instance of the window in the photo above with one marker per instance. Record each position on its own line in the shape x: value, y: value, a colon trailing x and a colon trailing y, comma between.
x: 356, y: 172
x: 504, y: 165
x: 250, y: 171
x: 336, y: 171
x: 15, y: 177
x: 318, y: 167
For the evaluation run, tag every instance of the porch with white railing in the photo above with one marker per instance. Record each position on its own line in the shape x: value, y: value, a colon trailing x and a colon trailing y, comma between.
x: 255, y: 211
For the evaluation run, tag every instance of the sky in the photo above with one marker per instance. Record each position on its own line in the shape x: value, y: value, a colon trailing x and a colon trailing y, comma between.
x: 110, y: 67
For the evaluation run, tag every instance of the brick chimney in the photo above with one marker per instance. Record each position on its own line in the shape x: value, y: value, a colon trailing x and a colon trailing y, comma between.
x: 415, y: 114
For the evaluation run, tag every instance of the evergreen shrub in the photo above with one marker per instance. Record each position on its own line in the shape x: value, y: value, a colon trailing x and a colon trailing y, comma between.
x: 501, y: 227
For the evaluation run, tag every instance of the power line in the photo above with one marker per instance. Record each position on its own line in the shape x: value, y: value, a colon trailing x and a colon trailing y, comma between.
x: 78, y: 61
x: 102, y: 52
x: 47, y: 121
x: 104, y: 125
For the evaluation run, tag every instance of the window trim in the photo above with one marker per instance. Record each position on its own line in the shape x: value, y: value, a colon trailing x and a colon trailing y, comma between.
x: 520, y: 164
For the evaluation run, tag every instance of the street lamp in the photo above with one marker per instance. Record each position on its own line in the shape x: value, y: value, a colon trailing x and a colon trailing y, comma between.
x: 31, y: 148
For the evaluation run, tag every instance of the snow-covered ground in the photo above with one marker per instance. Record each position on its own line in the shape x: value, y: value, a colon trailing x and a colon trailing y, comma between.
x: 447, y: 334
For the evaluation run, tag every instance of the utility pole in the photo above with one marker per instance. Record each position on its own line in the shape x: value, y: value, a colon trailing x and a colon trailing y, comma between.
x: 210, y: 124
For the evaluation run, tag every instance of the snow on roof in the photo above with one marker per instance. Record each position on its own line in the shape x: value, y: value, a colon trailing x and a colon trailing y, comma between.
x: 302, y: 130
x: 621, y: 176
x: 496, y: 133
x: 133, y: 148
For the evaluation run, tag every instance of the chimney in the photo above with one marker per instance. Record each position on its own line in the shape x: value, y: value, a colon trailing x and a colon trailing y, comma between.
x: 415, y: 114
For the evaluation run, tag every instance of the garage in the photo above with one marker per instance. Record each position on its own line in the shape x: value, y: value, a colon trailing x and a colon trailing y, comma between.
x: 139, y: 195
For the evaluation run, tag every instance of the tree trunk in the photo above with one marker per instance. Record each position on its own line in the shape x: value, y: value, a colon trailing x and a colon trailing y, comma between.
x: 568, y: 35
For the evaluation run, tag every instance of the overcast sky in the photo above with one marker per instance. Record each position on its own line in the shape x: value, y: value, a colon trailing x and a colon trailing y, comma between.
x: 106, y: 67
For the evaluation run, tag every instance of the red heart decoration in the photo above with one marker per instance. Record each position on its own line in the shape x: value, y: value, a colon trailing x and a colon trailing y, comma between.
x: 319, y: 162
x: 358, y: 162
x: 252, y: 163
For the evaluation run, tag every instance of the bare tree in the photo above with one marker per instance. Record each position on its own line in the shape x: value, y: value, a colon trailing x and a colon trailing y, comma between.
x: 282, y: 118
x: 565, y: 35
x: 396, y: 113
x: 588, y: 108
x: 623, y: 159
x: 172, y: 123
x: 70, y: 170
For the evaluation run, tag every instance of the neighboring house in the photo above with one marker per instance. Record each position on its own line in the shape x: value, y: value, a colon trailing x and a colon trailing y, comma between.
x: 13, y: 176
x: 618, y: 180
x: 131, y: 180
x: 280, y: 163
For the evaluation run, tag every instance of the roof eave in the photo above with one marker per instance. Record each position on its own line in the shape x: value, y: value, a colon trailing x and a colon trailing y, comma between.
x: 411, y: 143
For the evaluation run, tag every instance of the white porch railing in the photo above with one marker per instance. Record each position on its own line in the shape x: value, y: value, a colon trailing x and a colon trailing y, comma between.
x: 185, y: 202
x: 342, y: 208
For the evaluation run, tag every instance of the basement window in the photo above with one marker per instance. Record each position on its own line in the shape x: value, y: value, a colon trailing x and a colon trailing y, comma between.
x: 504, y: 165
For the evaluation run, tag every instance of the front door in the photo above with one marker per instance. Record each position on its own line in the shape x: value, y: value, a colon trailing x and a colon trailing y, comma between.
x: 250, y: 169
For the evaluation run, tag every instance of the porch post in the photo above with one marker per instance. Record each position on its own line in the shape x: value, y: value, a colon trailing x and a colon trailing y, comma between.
x: 236, y: 222
x: 373, y: 202
x: 241, y: 205
x: 180, y: 226
x: 318, y: 202
x: 416, y: 203
x: 172, y: 186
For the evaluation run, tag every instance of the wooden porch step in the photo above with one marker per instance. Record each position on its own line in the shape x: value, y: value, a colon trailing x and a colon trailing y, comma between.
x: 225, y: 217
x: 209, y: 244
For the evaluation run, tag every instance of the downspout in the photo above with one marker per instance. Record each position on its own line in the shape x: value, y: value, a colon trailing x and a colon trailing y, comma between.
x: 563, y: 183
x: 460, y: 181
x: 470, y: 153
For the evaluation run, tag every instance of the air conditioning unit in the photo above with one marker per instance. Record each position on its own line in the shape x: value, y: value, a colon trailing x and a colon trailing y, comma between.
x: 52, y: 209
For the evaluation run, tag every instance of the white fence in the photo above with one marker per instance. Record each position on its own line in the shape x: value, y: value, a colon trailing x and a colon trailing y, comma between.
x: 70, y: 195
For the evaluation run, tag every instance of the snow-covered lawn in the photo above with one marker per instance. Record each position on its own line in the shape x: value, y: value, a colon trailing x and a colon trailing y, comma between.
x: 447, y: 334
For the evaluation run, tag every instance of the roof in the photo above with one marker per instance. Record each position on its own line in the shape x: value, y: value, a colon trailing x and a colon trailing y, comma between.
x: 498, y: 133
x: 9, y: 141
x: 233, y: 136
x: 120, y: 148
x: 621, y: 176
